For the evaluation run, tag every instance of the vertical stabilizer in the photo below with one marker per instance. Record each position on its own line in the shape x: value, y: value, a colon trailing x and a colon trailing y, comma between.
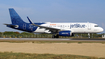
x: 15, y: 18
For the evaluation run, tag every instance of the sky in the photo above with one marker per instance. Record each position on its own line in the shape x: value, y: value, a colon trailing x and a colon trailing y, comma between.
x: 54, y: 11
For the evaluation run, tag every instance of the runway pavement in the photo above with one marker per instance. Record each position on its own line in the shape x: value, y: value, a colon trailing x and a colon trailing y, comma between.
x: 54, y: 39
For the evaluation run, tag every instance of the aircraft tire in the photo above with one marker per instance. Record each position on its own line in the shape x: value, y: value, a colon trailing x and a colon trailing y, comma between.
x: 55, y: 36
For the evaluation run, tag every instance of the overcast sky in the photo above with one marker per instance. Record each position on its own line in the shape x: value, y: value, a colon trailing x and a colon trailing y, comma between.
x: 54, y: 11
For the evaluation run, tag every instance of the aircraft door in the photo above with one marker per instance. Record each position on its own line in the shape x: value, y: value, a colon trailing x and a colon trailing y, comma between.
x: 24, y: 26
x: 89, y: 26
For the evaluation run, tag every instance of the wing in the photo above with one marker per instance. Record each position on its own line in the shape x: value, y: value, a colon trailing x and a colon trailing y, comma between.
x: 53, y: 30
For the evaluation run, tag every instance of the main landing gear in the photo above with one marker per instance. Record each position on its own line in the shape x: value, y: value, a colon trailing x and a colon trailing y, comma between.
x: 55, y: 36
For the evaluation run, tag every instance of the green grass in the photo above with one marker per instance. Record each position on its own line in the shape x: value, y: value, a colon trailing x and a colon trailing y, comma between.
x: 10, y: 55
x: 23, y: 41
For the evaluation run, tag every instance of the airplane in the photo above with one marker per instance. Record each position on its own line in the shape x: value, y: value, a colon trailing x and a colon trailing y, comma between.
x: 57, y: 29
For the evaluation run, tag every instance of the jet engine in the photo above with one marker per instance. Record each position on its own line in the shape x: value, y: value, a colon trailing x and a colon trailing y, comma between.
x: 66, y: 33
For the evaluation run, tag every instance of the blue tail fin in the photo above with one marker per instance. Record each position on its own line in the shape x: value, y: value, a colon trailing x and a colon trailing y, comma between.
x: 15, y: 18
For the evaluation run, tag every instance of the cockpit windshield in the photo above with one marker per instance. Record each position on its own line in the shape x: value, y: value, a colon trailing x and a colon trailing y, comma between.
x: 95, y: 25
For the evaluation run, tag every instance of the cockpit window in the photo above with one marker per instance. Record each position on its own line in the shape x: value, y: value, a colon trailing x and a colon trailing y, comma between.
x: 96, y: 26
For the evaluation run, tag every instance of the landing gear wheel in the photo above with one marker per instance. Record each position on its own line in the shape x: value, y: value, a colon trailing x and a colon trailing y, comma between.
x: 89, y: 35
x: 55, y: 36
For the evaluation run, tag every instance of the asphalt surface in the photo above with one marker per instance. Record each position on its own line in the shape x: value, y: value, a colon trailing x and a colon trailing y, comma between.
x: 54, y: 39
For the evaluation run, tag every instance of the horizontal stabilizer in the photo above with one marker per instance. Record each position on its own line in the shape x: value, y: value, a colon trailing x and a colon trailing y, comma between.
x: 11, y: 25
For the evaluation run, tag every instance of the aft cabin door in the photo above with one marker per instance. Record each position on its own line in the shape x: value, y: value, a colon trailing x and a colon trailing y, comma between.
x: 24, y: 26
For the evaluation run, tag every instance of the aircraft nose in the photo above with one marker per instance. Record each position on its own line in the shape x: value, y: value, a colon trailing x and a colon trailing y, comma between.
x: 101, y: 29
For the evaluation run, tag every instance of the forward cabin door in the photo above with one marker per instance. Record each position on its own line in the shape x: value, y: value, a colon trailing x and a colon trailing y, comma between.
x: 89, y: 27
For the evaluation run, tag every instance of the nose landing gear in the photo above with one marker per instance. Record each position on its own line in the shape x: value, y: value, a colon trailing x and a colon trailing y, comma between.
x: 89, y: 35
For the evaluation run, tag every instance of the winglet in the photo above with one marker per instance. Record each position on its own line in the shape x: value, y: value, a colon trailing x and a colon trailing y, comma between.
x: 30, y: 20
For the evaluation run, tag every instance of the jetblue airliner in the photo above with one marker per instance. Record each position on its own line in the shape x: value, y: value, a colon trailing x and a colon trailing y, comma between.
x: 57, y: 29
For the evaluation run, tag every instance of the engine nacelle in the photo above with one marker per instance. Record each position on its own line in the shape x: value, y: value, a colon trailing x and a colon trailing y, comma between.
x: 65, y: 33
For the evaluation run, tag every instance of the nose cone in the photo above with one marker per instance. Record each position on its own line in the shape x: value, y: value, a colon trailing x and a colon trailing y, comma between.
x: 101, y: 30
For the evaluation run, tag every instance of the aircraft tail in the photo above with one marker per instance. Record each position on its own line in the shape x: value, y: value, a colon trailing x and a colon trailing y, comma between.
x: 15, y: 18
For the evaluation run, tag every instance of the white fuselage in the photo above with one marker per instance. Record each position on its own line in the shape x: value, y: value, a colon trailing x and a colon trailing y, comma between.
x: 73, y: 27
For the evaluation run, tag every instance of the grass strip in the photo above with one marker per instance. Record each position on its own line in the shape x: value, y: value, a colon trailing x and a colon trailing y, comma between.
x: 11, y: 55
x: 33, y: 41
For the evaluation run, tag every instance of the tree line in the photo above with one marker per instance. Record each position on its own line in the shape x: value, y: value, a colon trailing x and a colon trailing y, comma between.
x: 11, y: 34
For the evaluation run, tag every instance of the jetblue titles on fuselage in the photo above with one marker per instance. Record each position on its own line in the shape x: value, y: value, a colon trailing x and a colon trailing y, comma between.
x: 77, y: 26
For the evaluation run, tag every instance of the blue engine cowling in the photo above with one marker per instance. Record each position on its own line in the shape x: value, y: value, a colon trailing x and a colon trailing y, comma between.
x: 65, y: 33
